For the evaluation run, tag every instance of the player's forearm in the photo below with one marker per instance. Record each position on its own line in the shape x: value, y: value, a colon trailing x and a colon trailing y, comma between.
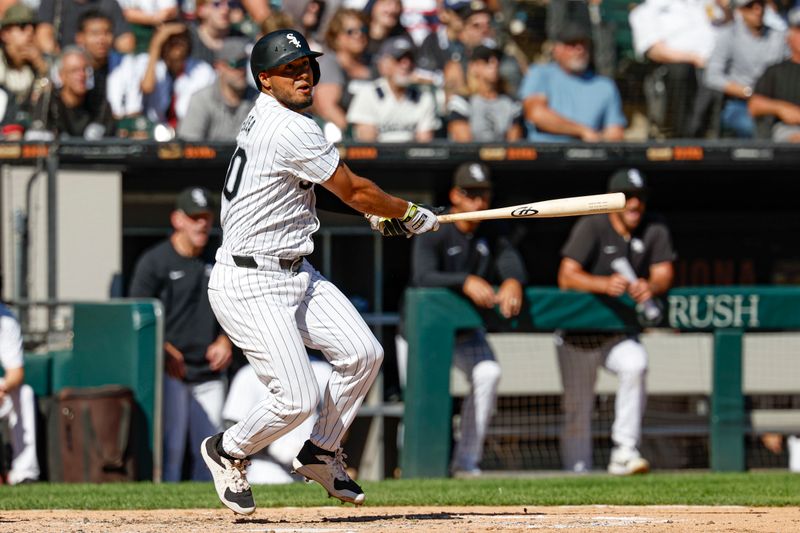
x: 661, y: 276
x: 364, y: 195
x: 760, y: 105
x: 13, y: 378
x: 548, y: 120
x: 661, y: 53
x: 571, y: 277
x: 139, y: 16
x: 367, y: 197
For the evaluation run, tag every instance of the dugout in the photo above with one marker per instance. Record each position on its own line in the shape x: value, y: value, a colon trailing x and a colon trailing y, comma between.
x: 75, y: 215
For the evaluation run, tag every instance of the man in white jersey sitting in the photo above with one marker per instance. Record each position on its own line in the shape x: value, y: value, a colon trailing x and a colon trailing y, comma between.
x: 270, y: 300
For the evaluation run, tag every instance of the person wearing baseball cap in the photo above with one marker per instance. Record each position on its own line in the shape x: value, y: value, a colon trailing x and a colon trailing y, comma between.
x: 630, y: 181
x: 196, y: 351
x: 471, y: 258
x: 391, y: 109
x: 593, y: 260
x: 776, y: 95
x: 22, y: 61
x: 206, y: 119
x: 565, y: 101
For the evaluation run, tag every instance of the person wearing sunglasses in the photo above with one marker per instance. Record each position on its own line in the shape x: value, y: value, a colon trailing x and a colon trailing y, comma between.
x: 70, y: 111
x: 479, y: 261
x: 216, y: 112
x: 393, y: 108
x: 343, y: 71
x: 21, y: 61
x: 565, y: 100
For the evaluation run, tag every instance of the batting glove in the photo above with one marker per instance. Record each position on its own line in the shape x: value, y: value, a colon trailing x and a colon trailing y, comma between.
x: 388, y: 227
x: 419, y: 219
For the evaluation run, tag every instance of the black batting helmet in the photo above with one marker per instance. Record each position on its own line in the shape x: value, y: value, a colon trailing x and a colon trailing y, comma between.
x: 281, y: 47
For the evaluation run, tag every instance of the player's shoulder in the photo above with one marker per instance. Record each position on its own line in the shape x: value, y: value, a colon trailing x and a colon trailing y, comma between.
x: 654, y: 222
x: 6, y: 313
x: 156, y: 254
x: 594, y: 223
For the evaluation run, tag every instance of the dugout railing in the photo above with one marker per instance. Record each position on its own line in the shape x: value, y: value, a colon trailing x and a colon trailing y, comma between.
x: 726, y: 343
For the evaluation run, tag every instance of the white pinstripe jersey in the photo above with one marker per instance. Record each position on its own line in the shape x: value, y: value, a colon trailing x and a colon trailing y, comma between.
x: 268, y: 201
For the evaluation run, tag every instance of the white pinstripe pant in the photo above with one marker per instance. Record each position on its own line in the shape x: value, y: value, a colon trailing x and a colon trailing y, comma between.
x: 272, y: 315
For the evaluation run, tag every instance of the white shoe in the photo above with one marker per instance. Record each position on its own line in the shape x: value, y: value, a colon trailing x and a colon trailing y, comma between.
x: 329, y: 470
x: 579, y: 468
x: 229, y: 477
x: 626, y: 462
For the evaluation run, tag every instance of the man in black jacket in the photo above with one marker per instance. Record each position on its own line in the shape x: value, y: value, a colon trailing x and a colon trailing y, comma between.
x: 469, y: 257
x: 196, y: 351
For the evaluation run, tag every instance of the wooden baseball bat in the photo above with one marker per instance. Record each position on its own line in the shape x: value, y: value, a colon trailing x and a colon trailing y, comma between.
x: 560, y: 207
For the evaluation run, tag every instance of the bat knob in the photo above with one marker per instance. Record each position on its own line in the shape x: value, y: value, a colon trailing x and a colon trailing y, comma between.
x: 649, y: 313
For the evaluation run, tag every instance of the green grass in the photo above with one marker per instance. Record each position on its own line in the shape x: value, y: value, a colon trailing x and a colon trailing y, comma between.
x: 749, y: 489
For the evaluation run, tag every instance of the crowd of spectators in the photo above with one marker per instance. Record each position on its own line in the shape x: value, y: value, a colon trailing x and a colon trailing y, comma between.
x: 403, y: 70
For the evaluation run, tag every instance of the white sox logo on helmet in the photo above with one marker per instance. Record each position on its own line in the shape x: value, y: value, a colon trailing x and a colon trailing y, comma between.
x: 292, y: 39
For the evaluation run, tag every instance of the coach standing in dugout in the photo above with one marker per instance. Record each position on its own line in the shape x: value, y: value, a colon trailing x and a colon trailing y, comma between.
x: 468, y: 256
x: 586, y: 265
x: 196, y: 352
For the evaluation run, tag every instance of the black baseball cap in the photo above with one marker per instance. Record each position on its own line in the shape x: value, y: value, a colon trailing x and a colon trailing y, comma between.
x: 573, y: 32
x: 464, y: 10
x: 195, y: 200
x: 484, y: 53
x: 630, y: 181
x: 472, y: 176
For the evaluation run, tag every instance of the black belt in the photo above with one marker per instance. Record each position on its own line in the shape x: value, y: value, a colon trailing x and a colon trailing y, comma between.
x: 248, y: 261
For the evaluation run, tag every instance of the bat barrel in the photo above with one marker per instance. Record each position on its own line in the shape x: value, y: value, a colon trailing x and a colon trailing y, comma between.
x: 560, y: 207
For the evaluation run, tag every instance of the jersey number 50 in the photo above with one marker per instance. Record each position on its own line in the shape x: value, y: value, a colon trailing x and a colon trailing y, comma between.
x: 235, y: 168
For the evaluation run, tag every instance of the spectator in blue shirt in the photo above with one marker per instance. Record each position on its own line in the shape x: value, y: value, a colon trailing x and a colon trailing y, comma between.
x: 564, y: 100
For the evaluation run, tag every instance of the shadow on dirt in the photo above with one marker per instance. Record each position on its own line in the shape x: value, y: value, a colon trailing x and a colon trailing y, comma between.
x: 385, y: 517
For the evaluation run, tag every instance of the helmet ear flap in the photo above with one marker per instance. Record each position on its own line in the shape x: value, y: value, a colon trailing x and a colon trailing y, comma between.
x: 314, y: 69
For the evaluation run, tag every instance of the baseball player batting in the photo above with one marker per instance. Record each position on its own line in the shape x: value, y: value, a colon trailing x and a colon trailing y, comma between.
x: 266, y: 295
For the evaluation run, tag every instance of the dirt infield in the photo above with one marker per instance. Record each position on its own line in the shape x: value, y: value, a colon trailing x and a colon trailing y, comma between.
x: 600, y: 518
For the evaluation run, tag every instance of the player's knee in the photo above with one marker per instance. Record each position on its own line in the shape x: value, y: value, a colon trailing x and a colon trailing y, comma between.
x: 300, y: 403
x: 634, y: 370
x: 372, y: 355
x: 487, y: 373
x: 26, y: 393
x: 303, y: 406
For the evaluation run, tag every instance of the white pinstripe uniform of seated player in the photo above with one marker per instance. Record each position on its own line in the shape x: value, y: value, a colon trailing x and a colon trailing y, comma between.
x: 270, y: 300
